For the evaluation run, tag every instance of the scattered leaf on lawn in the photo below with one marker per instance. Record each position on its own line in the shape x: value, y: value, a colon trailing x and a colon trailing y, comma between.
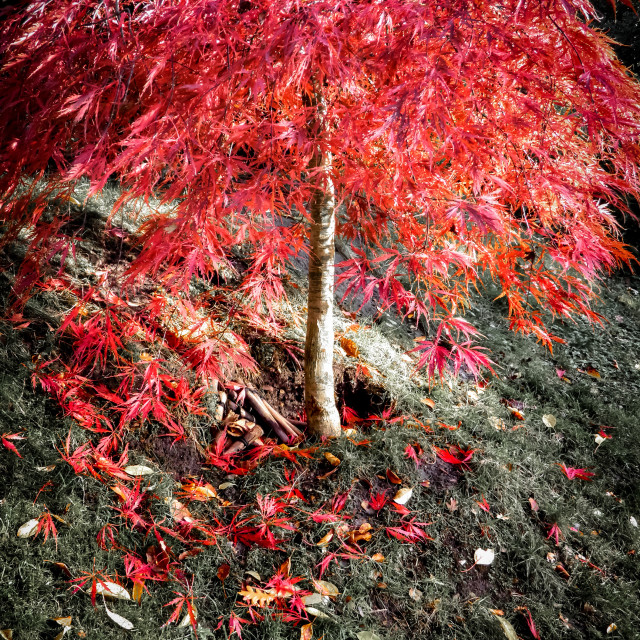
x: 137, y: 591
x: 326, y: 588
x: 48, y: 468
x: 403, y: 495
x: 484, y: 556
x: 138, y: 470
x: 415, y: 594
x: 226, y: 485
x: 223, y: 572
x: 112, y: 590
x: 452, y: 505
x: 6, y: 634
x: 549, y: 420
x: 325, y: 540
x: 316, y: 612
x: 331, y: 459
x: 254, y: 574
x: 393, y: 477
x: 28, y: 528
x: 350, y: 347
x: 257, y: 597
x: 377, y: 557
x: 429, y: 402
x: 507, y: 628
x: 534, y: 504
x: 634, y: 522
x: 612, y: 627
x: 179, y: 511
x: 367, y: 635
x: 313, y: 599
x: 186, y: 621
x: 497, y: 612
x: 306, y: 631
x: 118, y: 619
x: 591, y: 371
x: 497, y: 423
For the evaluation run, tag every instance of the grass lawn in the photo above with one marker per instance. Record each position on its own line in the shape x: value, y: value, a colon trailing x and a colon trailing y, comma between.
x: 565, y: 550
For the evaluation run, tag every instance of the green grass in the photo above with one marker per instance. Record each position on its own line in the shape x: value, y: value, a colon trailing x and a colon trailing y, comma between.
x: 508, y: 468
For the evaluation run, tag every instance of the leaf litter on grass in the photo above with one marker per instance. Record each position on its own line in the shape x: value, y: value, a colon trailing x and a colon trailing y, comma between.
x: 374, y: 551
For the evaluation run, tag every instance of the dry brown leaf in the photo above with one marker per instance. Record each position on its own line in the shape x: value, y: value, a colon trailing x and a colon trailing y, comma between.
x: 507, y: 628
x: 223, y: 572
x: 452, y: 505
x: 6, y: 634
x: 350, y: 347
x: 28, y: 529
x: 306, y: 631
x: 138, y: 470
x: 180, y: 512
x: 403, y: 495
x: 415, y: 594
x: 118, y: 619
x: 331, y: 459
x: 64, y: 621
x: 325, y: 540
x: 253, y: 574
x: 497, y: 612
x: 257, y: 597
x: 429, y: 402
x: 112, y: 590
x: 378, y: 557
x: 393, y: 477
x: 325, y: 588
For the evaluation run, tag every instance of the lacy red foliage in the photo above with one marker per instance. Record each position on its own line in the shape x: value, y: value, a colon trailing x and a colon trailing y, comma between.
x: 469, y: 139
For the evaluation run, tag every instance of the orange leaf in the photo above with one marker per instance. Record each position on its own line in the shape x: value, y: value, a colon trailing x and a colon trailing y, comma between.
x: 350, y: 347
x: 392, y: 477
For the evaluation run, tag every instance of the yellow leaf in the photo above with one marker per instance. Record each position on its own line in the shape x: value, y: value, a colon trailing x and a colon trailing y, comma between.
x: 549, y: 420
x: 325, y: 540
x: 138, y: 590
x: 333, y: 460
x: 377, y: 557
x: 306, y: 631
x: 257, y: 597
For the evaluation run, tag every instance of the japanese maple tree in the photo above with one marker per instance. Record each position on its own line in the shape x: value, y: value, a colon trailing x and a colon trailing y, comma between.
x: 442, y: 141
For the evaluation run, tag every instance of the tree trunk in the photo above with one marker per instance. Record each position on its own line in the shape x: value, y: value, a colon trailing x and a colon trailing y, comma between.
x: 320, y: 403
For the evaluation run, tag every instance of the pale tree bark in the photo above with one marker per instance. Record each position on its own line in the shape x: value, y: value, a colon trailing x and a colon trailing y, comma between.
x: 320, y: 403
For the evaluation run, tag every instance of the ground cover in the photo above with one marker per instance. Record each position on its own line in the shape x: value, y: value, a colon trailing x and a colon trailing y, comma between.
x: 374, y: 535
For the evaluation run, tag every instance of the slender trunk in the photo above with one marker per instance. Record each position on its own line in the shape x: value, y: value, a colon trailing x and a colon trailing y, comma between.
x: 320, y: 403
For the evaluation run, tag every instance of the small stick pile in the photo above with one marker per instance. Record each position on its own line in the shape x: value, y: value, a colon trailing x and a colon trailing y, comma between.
x: 245, y: 417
